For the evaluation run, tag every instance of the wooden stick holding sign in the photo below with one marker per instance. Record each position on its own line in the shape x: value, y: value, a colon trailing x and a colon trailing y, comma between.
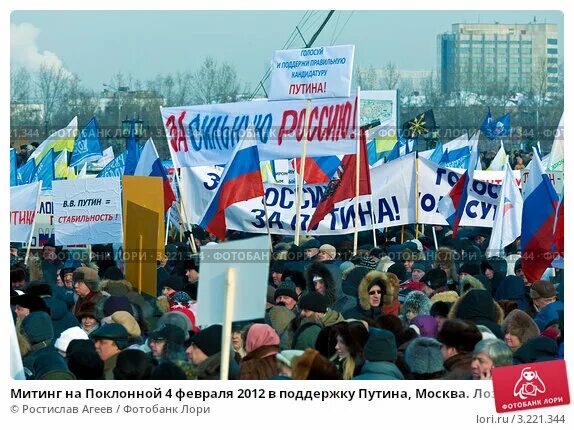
x: 357, y: 176
x: 33, y: 225
x: 230, y: 285
x: 302, y: 173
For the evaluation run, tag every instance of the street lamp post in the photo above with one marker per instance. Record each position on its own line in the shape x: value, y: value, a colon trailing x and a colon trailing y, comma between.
x: 118, y: 93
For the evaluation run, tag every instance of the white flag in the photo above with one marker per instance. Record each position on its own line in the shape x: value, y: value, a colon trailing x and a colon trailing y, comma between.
x: 556, y: 160
x: 23, y: 202
x: 499, y: 160
x: 508, y: 219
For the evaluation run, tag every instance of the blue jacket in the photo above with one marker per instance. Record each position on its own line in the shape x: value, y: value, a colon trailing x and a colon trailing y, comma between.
x: 548, y: 314
x: 379, y: 370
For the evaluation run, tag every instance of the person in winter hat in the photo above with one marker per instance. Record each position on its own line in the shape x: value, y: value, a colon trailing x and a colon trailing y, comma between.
x: 488, y: 354
x: 25, y: 304
x: 439, y: 311
x: 37, y: 329
x: 434, y: 282
x: 424, y: 360
x: 380, y: 354
x: 320, y: 279
x: 286, y: 295
x: 351, y: 337
x: 314, y: 315
x: 110, y: 339
x: 282, y: 319
x: 478, y: 306
x: 311, y: 248
x: 130, y: 324
x: 445, y: 259
x: 416, y: 303
x: 182, y: 302
x: 262, y: 345
x: 176, y: 318
x: 518, y: 328
x: 512, y: 288
x: 545, y: 300
x: 375, y: 290
x: 50, y: 365
x: 133, y: 364
x: 425, y: 325
x: 418, y: 271
x: 205, y: 354
x: 458, y: 338
x: 494, y: 268
x: 167, y: 344
x: 86, y: 286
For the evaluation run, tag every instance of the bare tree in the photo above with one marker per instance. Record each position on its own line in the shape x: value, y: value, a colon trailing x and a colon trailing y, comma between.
x: 214, y: 83
x: 391, y: 76
x: 365, y: 78
x: 51, y: 83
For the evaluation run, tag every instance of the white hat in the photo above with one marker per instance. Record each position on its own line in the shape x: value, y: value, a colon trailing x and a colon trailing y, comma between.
x: 69, y: 335
x: 288, y: 355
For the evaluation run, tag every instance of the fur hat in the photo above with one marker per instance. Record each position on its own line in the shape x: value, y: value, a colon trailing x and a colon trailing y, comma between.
x: 440, y: 308
x: 417, y: 302
x: 462, y: 335
x: 313, y: 301
x: 381, y: 346
x: 128, y: 321
x: 31, y: 302
x: 444, y: 255
x: 38, y: 327
x: 388, y: 282
x: 423, y: 356
x: 542, y: 289
x: 173, y: 282
x: 521, y: 325
x: 434, y: 278
x: 311, y: 365
x: 67, y: 336
x: 208, y: 340
x: 398, y: 269
x: 88, y: 276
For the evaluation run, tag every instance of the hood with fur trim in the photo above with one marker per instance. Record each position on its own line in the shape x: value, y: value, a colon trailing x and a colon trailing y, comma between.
x: 445, y: 296
x: 388, y: 282
x: 120, y: 287
x: 320, y: 269
x: 478, y: 306
x: 469, y: 282
x: 521, y: 325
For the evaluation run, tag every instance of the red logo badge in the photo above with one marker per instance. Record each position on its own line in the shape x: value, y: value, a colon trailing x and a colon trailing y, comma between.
x: 529, y: 386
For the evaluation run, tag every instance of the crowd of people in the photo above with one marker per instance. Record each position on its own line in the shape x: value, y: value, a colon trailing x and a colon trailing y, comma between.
x: 405, y: 309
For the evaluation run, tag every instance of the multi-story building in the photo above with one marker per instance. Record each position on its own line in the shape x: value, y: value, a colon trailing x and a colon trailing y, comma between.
x: 513, y: 56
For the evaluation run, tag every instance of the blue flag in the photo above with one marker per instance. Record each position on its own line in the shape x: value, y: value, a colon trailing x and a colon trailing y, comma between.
x: 403, y: 146
x: 493, y: 128
x: 114, y: 167
x: 45, y: 171
x: 87, y: 146
x: 132, y: 156
x: 451, y: 158
x: 437, y: 154
x: 13, y: 168
x: 25, y: 172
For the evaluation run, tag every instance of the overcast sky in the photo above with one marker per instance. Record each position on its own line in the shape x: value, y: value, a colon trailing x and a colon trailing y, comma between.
x: 95, y: 45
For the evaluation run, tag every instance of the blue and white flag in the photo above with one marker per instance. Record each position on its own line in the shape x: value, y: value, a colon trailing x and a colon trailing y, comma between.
x: 45, y: 171
x: 87, y: 147
x: 13, y: 168
x: 494, y: 128
x: 25, y: 172
x: 114, y: 167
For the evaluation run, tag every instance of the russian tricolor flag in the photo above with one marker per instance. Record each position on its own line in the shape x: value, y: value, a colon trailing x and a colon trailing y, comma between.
x: 149, y: 164
x: 318, y: 170
x: 538, y: 217
x: 240, y: 181
x: 453, y: 204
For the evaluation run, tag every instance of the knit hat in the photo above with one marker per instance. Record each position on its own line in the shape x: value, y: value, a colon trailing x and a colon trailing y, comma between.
x: 170, y: 333
x: 399, y: 270
x: 208, y: 340
x: 277, y: 267
x: 67, y: 336
x: 422, y: 265
x: 365, y: 261
x: 286, y: 288
x: 176, y: 318
x: 313, y: 301
x: 38, y: 327
x: 181, y: 297
x: 117, y: 303
x: 434, y: 278
x: 173, y: 282
x: 128, y: 322
x: 329, y: 250
x: 462, y: 335
x: 542, y: 289
x: 423, y: 356
x: 286, y: 356
x: 381, y: 346
x: 31, y: 302
x: 426, y: 325
x: 88, y: 276
x: 310, y: 244
x: 521, y: 325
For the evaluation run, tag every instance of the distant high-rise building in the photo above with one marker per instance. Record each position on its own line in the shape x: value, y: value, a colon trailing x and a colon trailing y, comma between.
x: 513, y: 56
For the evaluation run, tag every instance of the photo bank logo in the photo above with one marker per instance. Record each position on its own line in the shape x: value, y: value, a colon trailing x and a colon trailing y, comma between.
x: 530, y: 386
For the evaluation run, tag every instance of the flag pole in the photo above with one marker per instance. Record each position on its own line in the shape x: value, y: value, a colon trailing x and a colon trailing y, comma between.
x: 434, y: 237
x: 302, y: 173
x: 373, y: 221
x: 227, y: 320
x: 403, y: 233
x: 28, y: 248
x: 267, y: 222
x: 357, y: 175
x: 184, y: 218
x: 417, y: 195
